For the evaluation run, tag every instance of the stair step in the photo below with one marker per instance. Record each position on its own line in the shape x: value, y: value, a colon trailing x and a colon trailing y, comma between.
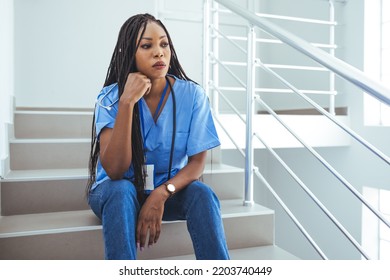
x: 77, y: 234
x: 46, y: 123
x: 270, y: 252
x: 315, y: 130
x: 56, y: 190
x: 57, y: 153
x: 40, y: 153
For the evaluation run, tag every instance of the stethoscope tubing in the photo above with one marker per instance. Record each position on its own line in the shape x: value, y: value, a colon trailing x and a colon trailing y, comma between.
x: 109, y: 107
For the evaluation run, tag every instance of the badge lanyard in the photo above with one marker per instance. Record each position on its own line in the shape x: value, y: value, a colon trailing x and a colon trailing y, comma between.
x: 155, y: 120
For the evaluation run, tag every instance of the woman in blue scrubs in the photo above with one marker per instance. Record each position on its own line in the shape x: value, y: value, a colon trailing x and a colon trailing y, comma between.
x: 151, y: 131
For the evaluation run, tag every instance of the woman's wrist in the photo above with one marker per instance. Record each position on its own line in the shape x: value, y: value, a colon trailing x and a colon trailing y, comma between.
x: 162, y: 192
x: 127, y: 102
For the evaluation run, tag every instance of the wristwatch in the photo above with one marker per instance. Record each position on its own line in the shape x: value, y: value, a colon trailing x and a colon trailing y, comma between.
x: 170, y: 188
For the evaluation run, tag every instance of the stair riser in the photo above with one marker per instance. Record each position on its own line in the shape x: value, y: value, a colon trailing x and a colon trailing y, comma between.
x: 82, y: 245
x: 67, y: 195
x: 89, y: 244
x: 226, y: 185
x: 259, y: 235
x: 42, y: 197
x: 25, y: 156
x: 52, y: 125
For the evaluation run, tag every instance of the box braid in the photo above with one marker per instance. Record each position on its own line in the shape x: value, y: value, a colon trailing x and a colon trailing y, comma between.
x: 122, y: 63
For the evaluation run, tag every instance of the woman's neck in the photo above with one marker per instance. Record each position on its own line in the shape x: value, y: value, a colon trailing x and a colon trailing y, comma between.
x: 157, y: 87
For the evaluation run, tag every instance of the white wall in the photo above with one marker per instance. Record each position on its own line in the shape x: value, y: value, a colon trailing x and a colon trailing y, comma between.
x: 183, y: 20
x: 63, y: 48
x: 6, y: 79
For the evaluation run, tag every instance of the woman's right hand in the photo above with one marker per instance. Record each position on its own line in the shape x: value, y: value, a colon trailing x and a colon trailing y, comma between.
x: 137, y: 85
x: 115, y: 151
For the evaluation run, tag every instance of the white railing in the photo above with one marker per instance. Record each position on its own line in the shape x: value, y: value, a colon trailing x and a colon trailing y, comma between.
x: 327, y: 60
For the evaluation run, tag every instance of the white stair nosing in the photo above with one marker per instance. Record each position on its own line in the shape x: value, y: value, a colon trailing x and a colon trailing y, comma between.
x: 59, y: 216
x: 82, y: 173
x: 46, y: 175
x: 266, y: 252
x: 49, y: 231
x: 48, y: 140
x: 54, y: 112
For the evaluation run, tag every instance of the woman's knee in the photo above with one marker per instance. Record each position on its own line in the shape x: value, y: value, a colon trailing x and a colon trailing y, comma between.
x: 119, y: 190
x: 202, y: 192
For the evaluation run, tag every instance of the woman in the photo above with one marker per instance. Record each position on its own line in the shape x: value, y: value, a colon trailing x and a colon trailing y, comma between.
x: 151, y: 131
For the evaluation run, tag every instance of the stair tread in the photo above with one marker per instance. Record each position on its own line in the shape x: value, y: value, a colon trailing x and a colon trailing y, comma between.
x: 82, y: 173
x: 46, y: 223
x: 270, y: 252
x: 58, y: 222
x: 53, y: 111
x: 49, y: 140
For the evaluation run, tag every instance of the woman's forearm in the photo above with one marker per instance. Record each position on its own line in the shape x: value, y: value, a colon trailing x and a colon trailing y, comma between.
x: 191, y: 172
x: 116, y: 143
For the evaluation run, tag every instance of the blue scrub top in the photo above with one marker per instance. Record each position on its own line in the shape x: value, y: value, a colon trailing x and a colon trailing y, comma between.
x: 195, y: 130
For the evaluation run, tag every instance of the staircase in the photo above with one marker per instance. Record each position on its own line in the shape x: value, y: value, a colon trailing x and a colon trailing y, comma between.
x: 43, y: 211
x: 45, y: 214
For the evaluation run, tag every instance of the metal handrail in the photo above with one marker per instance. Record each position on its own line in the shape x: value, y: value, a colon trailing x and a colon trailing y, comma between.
x: 294, y: 176
x: 216, y: 60
x: 291, y: 215
x: 235, y: 110
x: 275, y: 41
x: 277, y: 197
x: 261, y: 177
x: 216, y: 117
x: 342, y: 69
x: 327, y: 165
x: 357, y: 137
x: 310, y: 193
x: 321, y: 159
x: 335, y: 66
x: 228, y: 39
x: 279, y: 90
x: 279, y: 66
x: 297, y: 19
x: 292, y: 173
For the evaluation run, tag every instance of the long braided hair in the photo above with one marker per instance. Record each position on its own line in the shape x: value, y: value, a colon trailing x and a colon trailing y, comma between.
x: 122, y: 63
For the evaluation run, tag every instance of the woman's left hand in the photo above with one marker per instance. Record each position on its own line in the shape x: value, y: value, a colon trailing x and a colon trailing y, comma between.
x: 150, y: 218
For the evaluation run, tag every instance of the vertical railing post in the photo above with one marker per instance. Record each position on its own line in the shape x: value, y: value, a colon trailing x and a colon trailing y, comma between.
x: 250, y: 111
x: 332, y: 53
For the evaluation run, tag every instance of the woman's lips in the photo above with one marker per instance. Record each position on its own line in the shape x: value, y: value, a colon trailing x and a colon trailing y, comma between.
x: 159, y: 65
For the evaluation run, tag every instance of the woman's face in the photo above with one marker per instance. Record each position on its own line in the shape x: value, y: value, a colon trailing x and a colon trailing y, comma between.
x: 153, y: 54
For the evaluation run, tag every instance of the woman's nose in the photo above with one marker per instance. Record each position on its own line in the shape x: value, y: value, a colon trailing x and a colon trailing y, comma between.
x: 158, y: 53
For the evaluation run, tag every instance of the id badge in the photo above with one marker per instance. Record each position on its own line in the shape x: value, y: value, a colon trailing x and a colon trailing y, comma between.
x: 149, y: 182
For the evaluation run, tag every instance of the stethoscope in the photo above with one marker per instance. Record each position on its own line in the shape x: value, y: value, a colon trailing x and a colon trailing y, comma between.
x: 99, y: 102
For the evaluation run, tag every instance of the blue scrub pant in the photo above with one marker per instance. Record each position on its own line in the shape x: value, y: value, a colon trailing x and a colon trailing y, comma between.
x: 116, y: 204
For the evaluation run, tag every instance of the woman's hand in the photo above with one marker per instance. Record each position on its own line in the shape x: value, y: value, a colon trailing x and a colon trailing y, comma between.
x: 137, y: 85
x: 150, y: 217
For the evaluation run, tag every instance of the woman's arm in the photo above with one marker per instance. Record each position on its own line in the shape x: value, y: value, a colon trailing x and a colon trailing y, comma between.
x: 115, y: 143
x: 150, y: 217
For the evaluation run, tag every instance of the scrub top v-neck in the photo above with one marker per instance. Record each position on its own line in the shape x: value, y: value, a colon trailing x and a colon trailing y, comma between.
x: 147, y: 120
x: 195, y: 129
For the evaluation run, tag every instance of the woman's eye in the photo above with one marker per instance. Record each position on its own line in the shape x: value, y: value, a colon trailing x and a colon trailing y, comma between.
x: 165, y: 44
x: 145, y: 46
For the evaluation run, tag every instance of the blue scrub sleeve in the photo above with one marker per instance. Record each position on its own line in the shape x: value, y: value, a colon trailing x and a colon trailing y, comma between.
x: 203, y: 135
x: 105, y: 117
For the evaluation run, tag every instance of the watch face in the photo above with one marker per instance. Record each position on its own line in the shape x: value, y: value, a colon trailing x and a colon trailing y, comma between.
x: 171, y: 188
